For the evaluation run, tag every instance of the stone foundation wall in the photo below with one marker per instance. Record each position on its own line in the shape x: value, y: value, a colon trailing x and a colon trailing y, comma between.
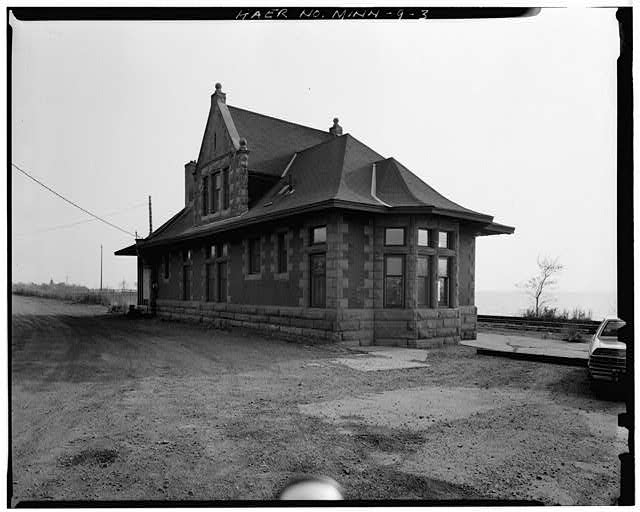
x: 468, y: 322
x: 416, y: 328
x: 424, y: 328
x: 298, y: 324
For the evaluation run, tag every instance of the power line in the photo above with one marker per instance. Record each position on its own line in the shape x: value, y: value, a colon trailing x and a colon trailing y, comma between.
x: 85, y: 221
x: 71, y: 202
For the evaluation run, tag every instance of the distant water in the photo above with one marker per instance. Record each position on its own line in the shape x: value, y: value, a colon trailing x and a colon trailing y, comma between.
x: 513, y: 303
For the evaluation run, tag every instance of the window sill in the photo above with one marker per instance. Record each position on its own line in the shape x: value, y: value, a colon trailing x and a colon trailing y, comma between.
x: 252, y: 277
x: 282, y: 276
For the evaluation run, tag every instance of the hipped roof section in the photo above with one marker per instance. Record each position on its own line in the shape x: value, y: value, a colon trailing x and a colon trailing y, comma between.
x: 322, y: 171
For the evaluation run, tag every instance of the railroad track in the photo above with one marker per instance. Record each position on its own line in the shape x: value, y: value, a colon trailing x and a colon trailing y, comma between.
x: 530, y: 324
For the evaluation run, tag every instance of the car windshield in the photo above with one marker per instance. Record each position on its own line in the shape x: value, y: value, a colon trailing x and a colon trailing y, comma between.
x: 611, y: 328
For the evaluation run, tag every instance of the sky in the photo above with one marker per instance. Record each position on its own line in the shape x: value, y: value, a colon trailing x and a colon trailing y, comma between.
x: 513, y: 118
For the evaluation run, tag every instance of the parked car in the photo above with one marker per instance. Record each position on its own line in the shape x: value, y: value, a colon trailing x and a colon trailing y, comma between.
x: 607, y: 354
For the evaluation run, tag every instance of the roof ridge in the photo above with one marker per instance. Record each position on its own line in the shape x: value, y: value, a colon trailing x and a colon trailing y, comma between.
x: 328, y: 141
x: 280, y: 120
x: 404, y: 182
x: 342, y: 186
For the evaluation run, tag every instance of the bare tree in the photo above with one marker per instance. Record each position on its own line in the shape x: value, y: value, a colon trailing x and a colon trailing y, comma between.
x: 538, y: 286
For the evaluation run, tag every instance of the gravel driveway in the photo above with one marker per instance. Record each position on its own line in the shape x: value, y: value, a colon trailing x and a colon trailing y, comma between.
x: 107, y: 408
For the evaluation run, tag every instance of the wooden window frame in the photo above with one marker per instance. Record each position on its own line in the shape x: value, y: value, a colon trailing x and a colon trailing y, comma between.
x: 429, y: 237
x: 449, y: 239
x: 312, y: 304
x: 216, y: 187
x: 205, y: 195
x: 282, y: 252
x: 447, y: 281
x: 404, y: 236
x: 402, y: 275
x: 225, y: 189
x: 427, y: 285
x: 251, y: 270
x: 312, y: 234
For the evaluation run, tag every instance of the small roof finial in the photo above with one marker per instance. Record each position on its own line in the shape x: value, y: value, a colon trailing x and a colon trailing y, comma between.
x: 219, y: 95
x: 336, y: 129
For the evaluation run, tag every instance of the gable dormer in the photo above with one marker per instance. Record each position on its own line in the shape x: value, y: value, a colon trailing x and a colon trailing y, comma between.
x: 220, y: 177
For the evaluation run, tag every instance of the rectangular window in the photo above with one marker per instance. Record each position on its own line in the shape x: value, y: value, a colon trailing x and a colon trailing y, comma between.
x: 225, y: 188
x: 205, y: 195
x: 394, y: 236
x: 444, y: 239
x: 443, y: 282
x: 165, y: 264
x: 422, y: 276
x: 186, y: 282
x: 317, y: 263
x: 211, y: 282
x: 319, y: 235
x: 210, y: 252
x: 282, y: 253
x: 254, y: 256
x: 423, y: 237
x: 216, y: 192
x: 222, y: 281
x: 393, y: 281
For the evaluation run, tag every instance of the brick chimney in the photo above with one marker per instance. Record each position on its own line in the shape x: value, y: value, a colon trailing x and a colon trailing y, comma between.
x: 219, y: 95
x: 189, y: 181
x: 336, y: 129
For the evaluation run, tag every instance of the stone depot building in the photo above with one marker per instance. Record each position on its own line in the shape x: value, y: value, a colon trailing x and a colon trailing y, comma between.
x: 310, y: 234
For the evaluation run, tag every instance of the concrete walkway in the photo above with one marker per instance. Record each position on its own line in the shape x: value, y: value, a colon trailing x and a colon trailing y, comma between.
x: 537, y: 349
x: 369, y: 359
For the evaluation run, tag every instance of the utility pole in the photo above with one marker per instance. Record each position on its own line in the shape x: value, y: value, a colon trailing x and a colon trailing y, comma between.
x: 150, y: 224
x: 100, y: 267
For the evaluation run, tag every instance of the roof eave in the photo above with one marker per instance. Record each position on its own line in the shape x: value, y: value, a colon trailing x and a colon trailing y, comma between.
x: 241, y: 222
x: 496, y: 229
x: 131, y: 250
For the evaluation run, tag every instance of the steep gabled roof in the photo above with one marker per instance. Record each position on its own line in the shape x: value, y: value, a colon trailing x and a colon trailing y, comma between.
x: 322, y: 170
x: 272, y: 141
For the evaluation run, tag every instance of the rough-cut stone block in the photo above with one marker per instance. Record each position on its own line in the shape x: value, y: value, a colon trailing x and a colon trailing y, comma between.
x: 391, y: 342
x: 426, y: 314
x: 351, y: 335
x: 323, y: 324
x: 313, y: 333
x: 348, y: 325
x: 306, y: 323
x: 281, y: 320
x: 393, y: 314
x: 451, y: 322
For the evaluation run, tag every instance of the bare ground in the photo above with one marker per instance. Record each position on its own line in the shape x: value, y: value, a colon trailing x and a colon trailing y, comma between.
x: 107, y: 408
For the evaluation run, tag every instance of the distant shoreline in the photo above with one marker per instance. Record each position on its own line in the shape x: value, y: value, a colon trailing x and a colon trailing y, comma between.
x: 513, y: 303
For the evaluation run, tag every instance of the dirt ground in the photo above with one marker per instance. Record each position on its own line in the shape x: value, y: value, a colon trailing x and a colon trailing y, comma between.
x: 108, y: 408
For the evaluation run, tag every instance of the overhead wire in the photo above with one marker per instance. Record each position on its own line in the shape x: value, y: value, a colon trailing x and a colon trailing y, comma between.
x: 71, y: 202
x: 85, y: 221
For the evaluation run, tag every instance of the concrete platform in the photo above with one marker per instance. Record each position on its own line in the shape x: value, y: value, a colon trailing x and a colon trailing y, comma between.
x: 535, y: 349
x: 372, y: 358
